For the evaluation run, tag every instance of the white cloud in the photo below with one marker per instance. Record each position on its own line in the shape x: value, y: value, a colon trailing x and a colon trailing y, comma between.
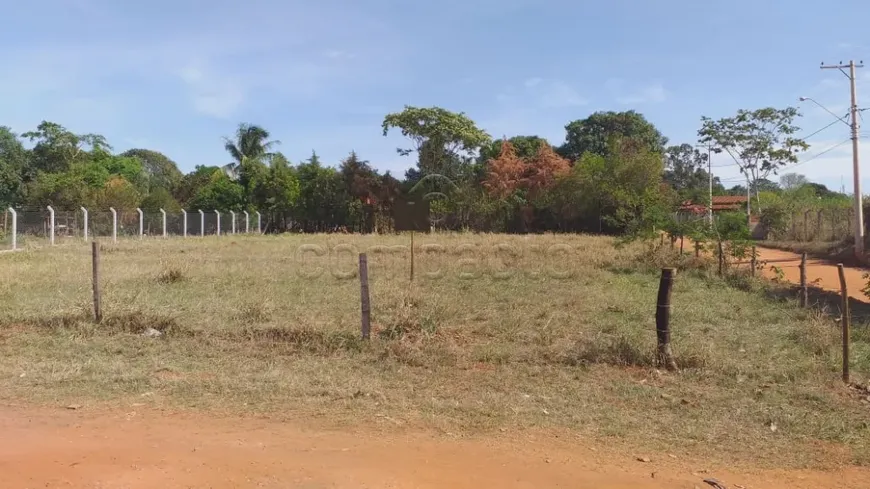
x: 651, y: 93
x: 542, y: 93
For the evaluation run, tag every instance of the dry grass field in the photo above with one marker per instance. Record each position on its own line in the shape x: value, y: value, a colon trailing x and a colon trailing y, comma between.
x: 495, y: 333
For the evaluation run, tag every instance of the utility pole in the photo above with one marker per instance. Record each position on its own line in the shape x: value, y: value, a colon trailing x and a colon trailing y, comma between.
x: 710, y: 191
x: 859, y: 211
x: 710, y: 177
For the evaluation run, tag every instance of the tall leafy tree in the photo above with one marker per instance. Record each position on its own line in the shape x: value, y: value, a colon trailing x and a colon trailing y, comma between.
x: 686, y: 173
x: 14, y: 168
x: 759, y: 141
x: 56, y: 148
x: 359, y: 178
x: 162, y: 172
x: 593, y: 134
x: 323, y: 197
x: 443, y: 140
x: 250, y: 147
x: 625, y: 186
x: 524, y: 147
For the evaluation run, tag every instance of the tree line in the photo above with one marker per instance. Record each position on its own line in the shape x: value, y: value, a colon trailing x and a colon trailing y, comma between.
x: 614, y: 172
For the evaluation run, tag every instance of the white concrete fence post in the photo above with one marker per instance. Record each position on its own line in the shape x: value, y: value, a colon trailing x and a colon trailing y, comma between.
x: 233, y: 219
x: 85, y: 215
x: 141, y: 222
x: 259, y: 221
x: 14, y: 228
x: 184, y: 224
x: 218, y: 214
x: 51, y: 225
x: 163, y: 214
x: 247, y: 222
x: 114, y: 224
x: 201, y: 223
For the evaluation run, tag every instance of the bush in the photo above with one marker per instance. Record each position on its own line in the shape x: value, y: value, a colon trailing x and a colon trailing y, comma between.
x: 775, y: 218
x: 732, y: 226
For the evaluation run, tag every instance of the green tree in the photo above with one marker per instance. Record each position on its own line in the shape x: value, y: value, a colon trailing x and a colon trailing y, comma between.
x: 160, y: 198
x: 193, y: 181
x: 443, y: 140
x: 759, y: 141
x: 685, y: 172
x: 360, y: 179
x: 162, y: 172
x: 14, y: 167
x: 625, y: 186
x: 220, y: 193
x: 250, y: 147
x: 277, y: 192
x: 323, y: 198
x: 594, y: 133
x: 524, y: 147
x: 792, y: 181
x: 56, y: 149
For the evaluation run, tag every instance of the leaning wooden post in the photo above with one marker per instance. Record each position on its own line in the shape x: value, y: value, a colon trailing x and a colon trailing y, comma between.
x: 803, y: 299
x: 697, y: 249
x: 95, y: 258
x: 681, y: 245
x: 365, y: 304
x: 721, y: 259
x: 846, y: 322
x: 663, y: 317
x: 752, y: 261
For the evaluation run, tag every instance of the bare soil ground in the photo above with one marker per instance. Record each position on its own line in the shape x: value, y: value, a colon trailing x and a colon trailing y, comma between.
x: 148, y: 449
x: 820, y: 273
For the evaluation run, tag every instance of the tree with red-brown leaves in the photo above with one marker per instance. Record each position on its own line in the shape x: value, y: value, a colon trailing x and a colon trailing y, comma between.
x: 504, y: 174
x: 543, y: 169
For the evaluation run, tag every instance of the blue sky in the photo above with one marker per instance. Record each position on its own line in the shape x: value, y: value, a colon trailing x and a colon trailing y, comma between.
x: 176, y: 76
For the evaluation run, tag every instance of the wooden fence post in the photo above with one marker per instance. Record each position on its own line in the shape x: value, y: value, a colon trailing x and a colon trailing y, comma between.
x: 752, y: 261
x: 663, y: 317
x: 803, y: 298
x: 721, y: 259
x: 697, y: 249
x: 412, y: 256
x: 846, y: 321
x: 365, y: 304
x: 95, y: 258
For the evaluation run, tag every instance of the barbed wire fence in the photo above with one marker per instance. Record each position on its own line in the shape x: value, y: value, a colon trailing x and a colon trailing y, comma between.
x: 34, y: 226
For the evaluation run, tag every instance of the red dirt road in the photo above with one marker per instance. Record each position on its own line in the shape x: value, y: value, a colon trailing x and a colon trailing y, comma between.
x: 81, y: 449
x: 820, y: 273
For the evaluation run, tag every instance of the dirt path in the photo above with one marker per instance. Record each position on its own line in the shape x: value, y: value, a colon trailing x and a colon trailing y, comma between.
x: 819, y: 273
x: 59, y: 448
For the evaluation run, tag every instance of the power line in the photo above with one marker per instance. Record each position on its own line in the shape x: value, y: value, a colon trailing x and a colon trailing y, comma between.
x: 811, y: 158
x: 822, y: 129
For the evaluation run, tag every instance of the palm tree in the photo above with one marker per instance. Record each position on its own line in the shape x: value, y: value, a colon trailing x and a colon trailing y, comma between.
x: 250, y: 144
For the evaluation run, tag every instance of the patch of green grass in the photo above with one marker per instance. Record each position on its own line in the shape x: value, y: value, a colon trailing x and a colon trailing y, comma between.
x: 550, y: 331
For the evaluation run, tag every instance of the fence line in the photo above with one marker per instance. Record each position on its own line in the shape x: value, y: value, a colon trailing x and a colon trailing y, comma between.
x: 22, y: 226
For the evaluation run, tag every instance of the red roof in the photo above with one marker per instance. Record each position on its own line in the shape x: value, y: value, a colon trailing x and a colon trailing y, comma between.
x: 720, y: 203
